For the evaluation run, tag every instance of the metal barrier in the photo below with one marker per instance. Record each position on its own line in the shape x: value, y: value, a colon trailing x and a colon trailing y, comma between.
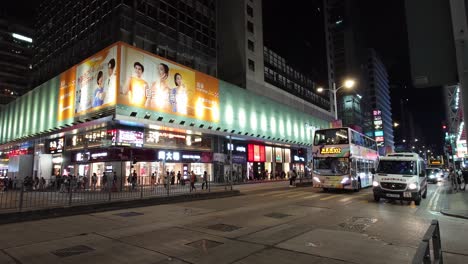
x: 27, y: 195
x: 425, y: 254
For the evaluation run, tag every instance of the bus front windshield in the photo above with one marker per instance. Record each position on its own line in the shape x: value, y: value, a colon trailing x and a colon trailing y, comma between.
x: 404, y: 167
x: 331, y: 166
x: 331, y: 137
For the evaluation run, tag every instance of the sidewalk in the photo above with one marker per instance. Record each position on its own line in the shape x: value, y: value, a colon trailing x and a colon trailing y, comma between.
x: 457, y: 204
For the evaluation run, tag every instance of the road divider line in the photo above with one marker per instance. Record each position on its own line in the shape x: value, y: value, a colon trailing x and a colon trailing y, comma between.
x: 329, y: 197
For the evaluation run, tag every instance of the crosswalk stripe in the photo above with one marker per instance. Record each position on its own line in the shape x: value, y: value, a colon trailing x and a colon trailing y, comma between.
x: 329, y: 197
x: 349, y: 198
x: 285, y: 194
x: 312, y: 196
x: 297, y: 195
x: 271, y: 193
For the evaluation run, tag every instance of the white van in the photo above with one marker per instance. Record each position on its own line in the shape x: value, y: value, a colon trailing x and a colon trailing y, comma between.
x: 400, y: 176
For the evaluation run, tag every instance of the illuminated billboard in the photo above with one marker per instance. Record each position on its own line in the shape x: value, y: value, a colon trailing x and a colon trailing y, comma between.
x: 153, y: 83
x: 96, y: 81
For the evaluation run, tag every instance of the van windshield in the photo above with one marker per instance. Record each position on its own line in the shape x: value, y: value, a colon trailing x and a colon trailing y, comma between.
x: 404, y: 167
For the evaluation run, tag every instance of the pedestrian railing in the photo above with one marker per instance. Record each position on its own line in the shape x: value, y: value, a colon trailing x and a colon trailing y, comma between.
x: 430, y: 248
x: 26, y: 195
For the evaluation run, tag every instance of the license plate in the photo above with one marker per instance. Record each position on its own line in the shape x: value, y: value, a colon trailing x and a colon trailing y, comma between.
x: 393, y: 195
x: 407, y: 194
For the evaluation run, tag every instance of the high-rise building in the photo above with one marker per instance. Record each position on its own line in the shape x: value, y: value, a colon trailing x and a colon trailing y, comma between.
x: 346, y: 55
x: 15, y: 65
x: 245, y: 61
x: 183, y: 31
x: 378, y: 98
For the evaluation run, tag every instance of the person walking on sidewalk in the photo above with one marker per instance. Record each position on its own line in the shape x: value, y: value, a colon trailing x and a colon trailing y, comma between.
x: 205, y: 180
x: 453, y: 178
x: 193, y: 178
x: 465, y: 177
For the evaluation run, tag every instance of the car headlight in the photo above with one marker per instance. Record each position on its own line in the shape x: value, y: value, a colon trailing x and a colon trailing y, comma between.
x: 344, y: 180
x: 412, y: 186
x: 375, y: 183
x: 432, y: 176
x: 317, y: 179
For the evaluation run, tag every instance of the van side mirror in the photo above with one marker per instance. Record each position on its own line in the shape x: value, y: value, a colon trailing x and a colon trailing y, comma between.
x: 372, y: 171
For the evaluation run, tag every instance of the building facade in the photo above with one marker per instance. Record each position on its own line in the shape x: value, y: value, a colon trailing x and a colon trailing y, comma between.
x: 15, y: 66
x: 126, y: 109
x: 183, y: 31
x: 347, y: 57
x: 245, y: 61
x: 378, y: 94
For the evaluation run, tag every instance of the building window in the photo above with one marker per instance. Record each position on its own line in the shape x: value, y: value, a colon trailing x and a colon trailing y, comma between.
x: 249, y: 11
x: 250, y: 27
x: 251, y: 45
x: 251, y: 65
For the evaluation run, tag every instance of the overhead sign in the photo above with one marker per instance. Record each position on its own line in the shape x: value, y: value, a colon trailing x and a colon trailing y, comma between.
x: 378, y: 127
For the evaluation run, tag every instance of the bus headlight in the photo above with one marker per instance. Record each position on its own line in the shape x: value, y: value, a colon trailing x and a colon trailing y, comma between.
x: 317, y: 179
x: 375, y: 183
x: 344, y: 180
x: 412, y: 186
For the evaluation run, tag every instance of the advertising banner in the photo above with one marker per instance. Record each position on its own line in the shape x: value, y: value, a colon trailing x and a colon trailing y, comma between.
x: 66, y: 102
x: 96, y: 81
x: 153, y: 83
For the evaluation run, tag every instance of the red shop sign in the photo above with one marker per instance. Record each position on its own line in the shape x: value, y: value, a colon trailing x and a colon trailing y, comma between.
x: 255, y: 153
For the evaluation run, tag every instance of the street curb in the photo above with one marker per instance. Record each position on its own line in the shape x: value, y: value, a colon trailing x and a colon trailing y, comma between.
x: 15, y: 217
x: 453, y: 215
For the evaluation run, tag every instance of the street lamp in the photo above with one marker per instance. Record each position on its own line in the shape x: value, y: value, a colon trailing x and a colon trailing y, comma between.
x: 349, y: 83
x: 395, y: 124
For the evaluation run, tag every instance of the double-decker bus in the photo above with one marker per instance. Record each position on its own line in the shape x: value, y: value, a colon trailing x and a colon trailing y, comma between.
x: 343, y: 159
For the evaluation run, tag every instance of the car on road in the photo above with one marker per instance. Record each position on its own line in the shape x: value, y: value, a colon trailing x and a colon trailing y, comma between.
x: 434, y: 175
x: 400, y: 176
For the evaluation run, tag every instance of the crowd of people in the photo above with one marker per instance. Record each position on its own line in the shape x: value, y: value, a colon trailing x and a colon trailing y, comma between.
x: 458, y: 179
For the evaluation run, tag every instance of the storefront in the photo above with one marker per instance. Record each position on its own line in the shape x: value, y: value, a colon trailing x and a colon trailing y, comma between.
x: 299, y: 163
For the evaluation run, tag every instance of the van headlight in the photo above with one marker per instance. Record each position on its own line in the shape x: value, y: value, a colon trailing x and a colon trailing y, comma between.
x: 375, y: 183
x: 412, y: 186
x: 317, y: 179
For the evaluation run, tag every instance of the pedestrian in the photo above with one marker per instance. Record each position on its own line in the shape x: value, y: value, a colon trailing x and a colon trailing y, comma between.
x: 172, y: 177
x: 85, y: 182
x: 153, y: 180
x: 114, y: 182
x: 193, y: 179
x: 93, y: 181
x: 134, y: 179
x: 292, y: 178
x: 42, y: 183
x: 205, y: 180
x: 36, y: 183
x: 465, y: 177
x: 166, y: 179
x: 178, y: 177
x: 104, y: 181
x: 453, y: 180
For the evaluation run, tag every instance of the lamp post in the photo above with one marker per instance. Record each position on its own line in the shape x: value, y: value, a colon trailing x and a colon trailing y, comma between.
x: 347, y: 84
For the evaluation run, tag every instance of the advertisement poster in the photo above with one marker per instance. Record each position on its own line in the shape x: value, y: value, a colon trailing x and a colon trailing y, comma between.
x: 66, y: 101
x: 96, y: 82
x: 153, y: 83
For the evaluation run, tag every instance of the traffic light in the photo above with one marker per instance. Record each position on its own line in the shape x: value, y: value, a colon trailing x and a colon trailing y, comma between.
x: 444, y: 127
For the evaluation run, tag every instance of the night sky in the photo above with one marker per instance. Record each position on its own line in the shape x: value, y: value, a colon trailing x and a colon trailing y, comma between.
x: 296, y: 31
